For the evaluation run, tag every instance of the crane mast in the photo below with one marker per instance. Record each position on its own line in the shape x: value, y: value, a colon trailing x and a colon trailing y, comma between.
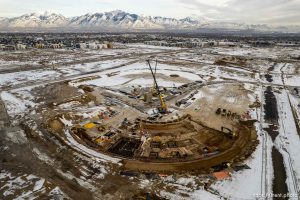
x: 163, y: 108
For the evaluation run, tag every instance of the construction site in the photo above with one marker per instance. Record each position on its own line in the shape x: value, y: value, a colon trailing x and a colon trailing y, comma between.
x: 156, y: 128
x: 147, y: 122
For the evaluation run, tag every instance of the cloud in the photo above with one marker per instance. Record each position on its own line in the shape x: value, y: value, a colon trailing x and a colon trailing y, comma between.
x: 248, y: 11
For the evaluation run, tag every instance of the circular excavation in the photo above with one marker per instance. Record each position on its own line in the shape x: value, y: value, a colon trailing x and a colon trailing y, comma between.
x: 148, y: 127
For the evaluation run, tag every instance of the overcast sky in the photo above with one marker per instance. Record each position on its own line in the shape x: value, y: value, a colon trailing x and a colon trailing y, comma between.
x: 249, y: 11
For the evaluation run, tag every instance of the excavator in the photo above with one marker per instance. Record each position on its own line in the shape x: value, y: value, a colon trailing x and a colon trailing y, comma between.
x: 163, y: 106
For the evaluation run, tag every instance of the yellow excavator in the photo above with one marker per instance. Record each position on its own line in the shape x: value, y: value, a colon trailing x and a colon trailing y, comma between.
x: 163, y: 106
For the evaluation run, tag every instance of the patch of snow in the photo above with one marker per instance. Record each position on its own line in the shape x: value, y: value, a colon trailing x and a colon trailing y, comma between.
x: 69, y: 105
x: 57, y: 193
x: 186, y: 181
x: 16, y: 136
x: 39, y: 184
x: 27, y: 76
x: 43, y: 157
x: 65, y: 121
x: 15, y: 105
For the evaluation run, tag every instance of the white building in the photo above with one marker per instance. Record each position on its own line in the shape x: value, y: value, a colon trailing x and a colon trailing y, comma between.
x: 82, y: 45
x: 56, y: 46
x: 20, y: 46
x: 104, y: 46
x: 92, y: 45
x: 228, y: 44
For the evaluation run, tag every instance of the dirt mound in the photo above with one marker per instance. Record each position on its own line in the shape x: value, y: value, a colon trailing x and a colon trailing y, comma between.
x: 230, y: 60
x: 56, y: 125
x: 55, y: 93
x: 86, y: 88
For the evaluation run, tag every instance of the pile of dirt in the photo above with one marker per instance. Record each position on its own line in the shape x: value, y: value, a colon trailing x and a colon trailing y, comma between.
x: 84, y: 99
x: 220, y: 62
x: 56, y: 125
x: 230, y: 60
x: 55, y: 93
x: 86, y: 88
x: 255, y: 104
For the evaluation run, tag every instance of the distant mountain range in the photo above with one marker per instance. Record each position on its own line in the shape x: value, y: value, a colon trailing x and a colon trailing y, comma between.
x: 122, y: 21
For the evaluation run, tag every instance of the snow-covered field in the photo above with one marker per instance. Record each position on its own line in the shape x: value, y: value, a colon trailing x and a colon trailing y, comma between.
x: 27, y: 186
x: 123, y: 74
x: 288, y: 142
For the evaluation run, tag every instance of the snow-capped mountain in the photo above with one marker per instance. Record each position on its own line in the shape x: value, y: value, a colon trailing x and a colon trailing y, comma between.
x: 35, y: 20
x: 114, y: 19
x: 120, y: 20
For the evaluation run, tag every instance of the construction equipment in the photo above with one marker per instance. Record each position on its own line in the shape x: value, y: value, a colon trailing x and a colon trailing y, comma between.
x: 89, y: 125
x: 163, y: 107
x: 154, y: 86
